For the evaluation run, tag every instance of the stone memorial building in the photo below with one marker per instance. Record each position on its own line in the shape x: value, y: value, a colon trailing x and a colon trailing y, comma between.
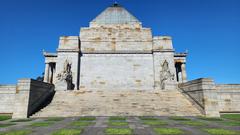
x: 117, y: 67
x: 115, y: 52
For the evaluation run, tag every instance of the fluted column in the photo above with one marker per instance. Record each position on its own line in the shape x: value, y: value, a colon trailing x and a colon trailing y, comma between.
x: 46, y: 73
x: 184, y: 73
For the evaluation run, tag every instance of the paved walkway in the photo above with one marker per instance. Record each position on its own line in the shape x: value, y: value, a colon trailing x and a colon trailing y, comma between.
x: 137, y: 124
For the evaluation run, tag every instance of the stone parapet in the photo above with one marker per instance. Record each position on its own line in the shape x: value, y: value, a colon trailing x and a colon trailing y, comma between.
x: 229, y: 98
x: 7, y: 97
x: 204, y: 92
x: 31, y: 94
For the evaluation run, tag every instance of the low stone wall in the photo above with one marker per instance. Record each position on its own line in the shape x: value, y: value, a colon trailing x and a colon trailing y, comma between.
x: 229, y: 98
x: 31, y: 94
x: 203, y: 92
x: 7, y: 97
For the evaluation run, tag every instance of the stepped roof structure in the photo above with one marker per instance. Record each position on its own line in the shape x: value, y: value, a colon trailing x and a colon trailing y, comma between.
x: 115, y: 14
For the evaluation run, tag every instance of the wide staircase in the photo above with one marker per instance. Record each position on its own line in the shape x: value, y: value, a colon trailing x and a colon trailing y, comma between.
x: 119, y: 103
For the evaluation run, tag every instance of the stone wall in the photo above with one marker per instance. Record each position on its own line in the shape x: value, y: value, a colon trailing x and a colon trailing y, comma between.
x: 116, y: 40
x: 31, y: 94
x: 229, y: 98
x: 7, y: 97
x: 203, y: 91
x: 116, y: 71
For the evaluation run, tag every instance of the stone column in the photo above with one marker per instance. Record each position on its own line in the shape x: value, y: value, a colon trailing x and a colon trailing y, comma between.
x: 54, y: 74
x: 46, y: 73
x: 184, y: 73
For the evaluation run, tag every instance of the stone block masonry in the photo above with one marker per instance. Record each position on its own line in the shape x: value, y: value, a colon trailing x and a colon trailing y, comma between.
x: 30, y: 96
x: 118, y: 103
x: 228, y: 98
x: 213, y: 99
x: 7, y: 97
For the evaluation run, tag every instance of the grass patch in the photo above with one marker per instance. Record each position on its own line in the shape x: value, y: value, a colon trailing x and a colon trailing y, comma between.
x: 81, y: 123
x: 231, y: 123
x: 111, y: 123
x: 193, y: 123
x: 6, y: 125
x: 168, y: 131
x: 5, y: 117
x: 179, y: 118
x: 67, y: 132
x: 17, y: 132
x: 155, y: 122
x: 42, y: 124
x: 54, y: 119
x: 117, y: 118
x: 211, y: 118
x: 88, y: 118
x: 231, y: 116
x: 22, y: 120
x: 215, y: 131
x: 147, y: 118
x: 118, y: 131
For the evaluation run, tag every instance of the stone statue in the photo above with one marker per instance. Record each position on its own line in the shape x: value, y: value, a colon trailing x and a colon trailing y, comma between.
x: 66, y: 75
x: 165, y: 74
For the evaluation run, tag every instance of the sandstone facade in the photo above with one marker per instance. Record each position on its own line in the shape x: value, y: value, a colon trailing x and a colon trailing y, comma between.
x: 117, y: 67
x: 116, y: 52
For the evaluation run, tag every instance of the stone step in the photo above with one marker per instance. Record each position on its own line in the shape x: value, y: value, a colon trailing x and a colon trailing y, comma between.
x: 110, y: 103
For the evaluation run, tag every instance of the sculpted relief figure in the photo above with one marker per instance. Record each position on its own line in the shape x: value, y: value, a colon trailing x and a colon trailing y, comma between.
x: 66, y: 75
x: 165, y: 74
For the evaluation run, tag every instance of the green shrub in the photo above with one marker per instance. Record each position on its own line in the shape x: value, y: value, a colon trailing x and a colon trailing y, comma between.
x: 147, y: 118
x: 5, y: 117
x: 231, y: 116
x: 111, y: 123
x: 215, y: 131
x: 118, y: 131
x: 210, y: 118
x: 21, y: 120
x: 42, y: 124
x: 17, y: 132
x: 168, y: 131
x: 193, y: 123
x: 6, y: 125
x: 67, y: 132
x: 88, y: 118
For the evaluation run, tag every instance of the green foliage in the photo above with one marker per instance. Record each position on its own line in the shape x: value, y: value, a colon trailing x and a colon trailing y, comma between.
x: 88, y: 118
x: 21, y: 120
x: 215, y: 131
x: 193, y: 123
x: 5, y: 117
x: 17, y: 132
x: 81, y: 123
x: 231, y: 123
x: 117, y: 118
x: 231, y: 116
x: 147, y: 118
x: 42, y: 124
x: 118, y: 131
x: 155, y: 122
x: 6, y: 125
x: 68, y: 132
x: 211, y: 118
x: 179, y: 118
x: 117, y: 123
x: 55, y: 119
x: 168, y: 131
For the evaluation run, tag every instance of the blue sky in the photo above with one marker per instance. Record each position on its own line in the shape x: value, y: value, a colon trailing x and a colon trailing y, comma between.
x: 208, y: 29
